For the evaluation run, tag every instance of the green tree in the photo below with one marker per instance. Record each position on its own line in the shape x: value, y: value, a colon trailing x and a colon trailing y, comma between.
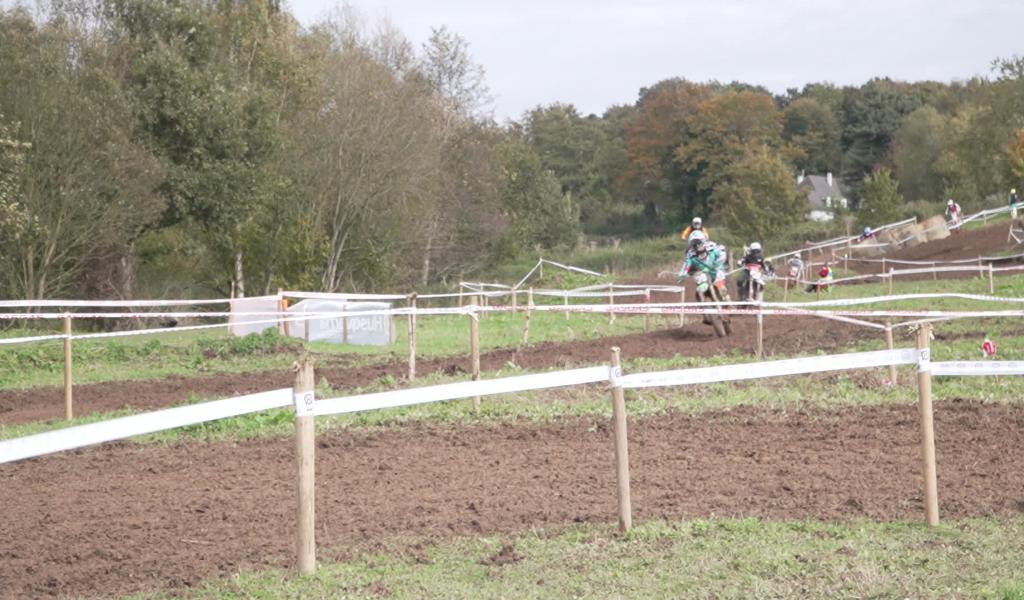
x: 84, y: 188
x: 917, y: 147
x: 814, y: 129
x: 756, y: 196
x: 540, y: 214
x: 871, y: 115
x: 880, y: 201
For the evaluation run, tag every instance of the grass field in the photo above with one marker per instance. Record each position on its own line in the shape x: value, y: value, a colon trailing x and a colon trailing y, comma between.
x: 705, y: 558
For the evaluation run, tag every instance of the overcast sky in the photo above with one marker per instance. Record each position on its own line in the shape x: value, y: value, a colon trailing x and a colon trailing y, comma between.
x: 597, y: 53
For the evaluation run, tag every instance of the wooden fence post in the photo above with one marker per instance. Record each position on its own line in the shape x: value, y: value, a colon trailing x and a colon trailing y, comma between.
x: 305, y: 453
x: 621, y: 445
x: 529, y: 314
x: 890, y: 346
x: 981, y: 271
x: 991, y: 283
x: 474, y: 347
x: 759, y: 351
x: 69, y: 412
x: 785, y: 289
x: 682, y: 309
x: 647, y: 312
x: 282, y: 307
x: 565, y: 300
x: 924, y: 389
x: 891, y: 277
x: 515, y: 299
x: 412, y: 335
x: 611, y: 303
x: 935, y: 274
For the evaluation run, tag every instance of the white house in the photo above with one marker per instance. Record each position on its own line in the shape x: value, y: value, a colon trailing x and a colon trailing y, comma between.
x: 824, y: 194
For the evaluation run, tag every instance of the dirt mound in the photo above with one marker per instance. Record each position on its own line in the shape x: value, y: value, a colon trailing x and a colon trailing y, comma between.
x: 971, y: 243
x: 782, y: 335
x: 124, y: 518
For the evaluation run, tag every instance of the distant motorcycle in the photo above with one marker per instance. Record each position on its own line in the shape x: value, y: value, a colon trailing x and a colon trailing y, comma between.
x: 753, y: 289
x: 708, y: 291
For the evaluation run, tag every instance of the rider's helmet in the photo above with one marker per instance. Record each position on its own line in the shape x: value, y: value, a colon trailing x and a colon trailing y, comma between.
x: 698, y: 245
x: 867, y: 231
x: 755, y: 247
x: 949, y: 202
x: 1013, y: 191
x: 696, y: 223
x: 697, y: 235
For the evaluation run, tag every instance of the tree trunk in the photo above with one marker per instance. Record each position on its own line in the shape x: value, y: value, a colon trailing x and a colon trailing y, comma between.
x: 239, y: 278
x: 425, y: 276
x: 127, y: 290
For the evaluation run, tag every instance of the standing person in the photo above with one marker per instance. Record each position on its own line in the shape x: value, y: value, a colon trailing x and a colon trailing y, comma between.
x: 954, y: 214
x: 1013, y: 206
x: 695, y: 225
x: 824, y: 282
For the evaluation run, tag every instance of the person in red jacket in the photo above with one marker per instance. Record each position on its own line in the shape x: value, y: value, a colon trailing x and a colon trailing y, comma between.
x: 824, y: 282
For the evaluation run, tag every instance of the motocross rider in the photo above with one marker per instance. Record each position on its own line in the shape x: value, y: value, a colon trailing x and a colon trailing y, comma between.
x: 955, y: 214
x: 695, y: 226
x: 754, y: 255
x: 704, y: 255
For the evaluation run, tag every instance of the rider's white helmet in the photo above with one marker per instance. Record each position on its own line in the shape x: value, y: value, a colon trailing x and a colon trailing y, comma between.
x: 696, y: 222
x: 949, y: 202
x: 755, y: 246
x: 697, y: 235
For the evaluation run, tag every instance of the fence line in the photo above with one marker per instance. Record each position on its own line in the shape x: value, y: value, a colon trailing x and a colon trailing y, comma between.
x: 80, y: 436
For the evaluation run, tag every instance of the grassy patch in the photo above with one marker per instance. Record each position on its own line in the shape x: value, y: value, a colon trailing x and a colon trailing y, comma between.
x: 715, y: 557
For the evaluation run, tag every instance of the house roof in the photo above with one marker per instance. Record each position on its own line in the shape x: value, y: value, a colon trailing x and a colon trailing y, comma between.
x: 817, y: 189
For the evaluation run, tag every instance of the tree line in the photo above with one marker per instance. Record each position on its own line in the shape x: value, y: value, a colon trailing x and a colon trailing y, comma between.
x: 217, y: 146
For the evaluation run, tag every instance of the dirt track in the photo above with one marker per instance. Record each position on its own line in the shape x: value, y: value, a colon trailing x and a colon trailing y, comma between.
x: 972, y: 243
x: 786, y: 335
x: 130, y: 518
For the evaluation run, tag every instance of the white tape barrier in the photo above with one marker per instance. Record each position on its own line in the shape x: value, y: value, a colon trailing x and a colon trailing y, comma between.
x: 466, y: 389
x: 571, y: 268
x: 937, y: 263
x: 114, y: 303
x: 841, y: 240
x: 978, y: 367
x: 150, y: 422
x: 775, y: 368
x: 471, y: 309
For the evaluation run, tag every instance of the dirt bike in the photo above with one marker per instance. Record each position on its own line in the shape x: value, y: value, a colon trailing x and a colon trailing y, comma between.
x: 713, y: 292
x: 753, y: 289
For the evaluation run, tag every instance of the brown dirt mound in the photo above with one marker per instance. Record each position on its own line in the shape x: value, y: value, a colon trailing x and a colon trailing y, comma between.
x: 787, y: 335
x: 971, y: 243
x: 125, y: 518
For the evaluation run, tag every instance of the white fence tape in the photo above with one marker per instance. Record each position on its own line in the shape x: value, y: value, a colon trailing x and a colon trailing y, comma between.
x: 775, y: 368
x: 171, y: 418
x: 466, y: 389
x: 150, y: 422
x: 978, y: 367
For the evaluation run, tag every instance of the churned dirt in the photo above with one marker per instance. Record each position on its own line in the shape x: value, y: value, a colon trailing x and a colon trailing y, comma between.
x: 124, y: 518
x: 783, y: 335
x: 972, y: 243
